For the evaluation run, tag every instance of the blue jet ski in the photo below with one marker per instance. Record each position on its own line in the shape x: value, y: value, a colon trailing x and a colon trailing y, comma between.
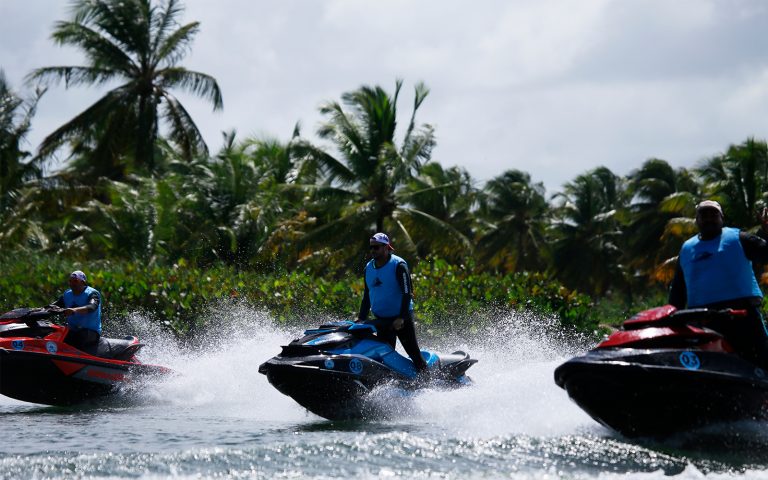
x: 331, y: 370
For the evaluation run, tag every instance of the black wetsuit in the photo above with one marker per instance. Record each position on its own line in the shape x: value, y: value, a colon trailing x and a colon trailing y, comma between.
x: 747, y: 335
x: 384, y: 327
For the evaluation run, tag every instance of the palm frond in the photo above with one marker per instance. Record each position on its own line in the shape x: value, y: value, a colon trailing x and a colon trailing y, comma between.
x: 184, y: 131
x: 197, y: 83
x: 72, y: 75
x: 174, y: 47
x: 335, y: 169
x: 99, y: 112
x: 420, y: 94
x: 445, y: 230
x: 163, y: 22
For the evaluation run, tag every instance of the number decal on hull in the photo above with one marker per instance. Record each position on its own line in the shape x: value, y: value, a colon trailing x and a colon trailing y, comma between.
x: 690, y: 360
x: 356, y: 366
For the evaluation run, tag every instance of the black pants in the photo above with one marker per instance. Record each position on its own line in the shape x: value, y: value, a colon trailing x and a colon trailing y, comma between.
x: 407, y: 335
x: 747, y: 335
x: 84, y: 339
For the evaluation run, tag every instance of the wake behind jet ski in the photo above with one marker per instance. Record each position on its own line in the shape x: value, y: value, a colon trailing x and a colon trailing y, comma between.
x: 331, y: 370
x: 666, y: 372
x: 37, y: 366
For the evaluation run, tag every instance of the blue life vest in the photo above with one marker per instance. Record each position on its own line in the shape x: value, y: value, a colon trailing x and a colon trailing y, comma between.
x: 90, y: 320
x: 383, y: 289
x: 717, y: 270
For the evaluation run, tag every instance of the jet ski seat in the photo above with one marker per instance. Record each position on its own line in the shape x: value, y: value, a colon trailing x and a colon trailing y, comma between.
x: 118, y: 349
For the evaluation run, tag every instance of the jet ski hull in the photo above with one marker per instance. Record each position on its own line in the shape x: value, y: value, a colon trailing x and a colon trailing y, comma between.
x: 327, y: 386
x: 64, y: 380
x: 333, y: 370
x: 37, y: 366
x: 664, y: 391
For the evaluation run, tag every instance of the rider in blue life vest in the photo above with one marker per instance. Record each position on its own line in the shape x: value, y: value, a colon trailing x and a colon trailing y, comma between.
x: 82, y: 307
x: 388, y: 293
x: 714, y: 270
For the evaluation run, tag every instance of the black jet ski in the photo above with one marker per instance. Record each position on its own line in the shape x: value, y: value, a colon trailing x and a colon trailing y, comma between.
x: 665, y: 372
x: 331, y: 370
x: 37, y: 366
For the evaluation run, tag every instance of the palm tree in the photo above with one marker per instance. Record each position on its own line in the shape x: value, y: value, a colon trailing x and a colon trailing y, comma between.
x: 515, y: 214
x: 739, y: 180
x: 15, y: 117
x: 18, y: 176
x: 363, y: 189
x: 148, y: 218
x: 448, y: 195
x: 255, y: 188
x: 586, y: 247
x: 658, y: 195
x: 139, y: 45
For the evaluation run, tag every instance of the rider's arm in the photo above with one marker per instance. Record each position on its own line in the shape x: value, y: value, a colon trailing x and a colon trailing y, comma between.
x: 365, y: 305
x: 58, y: 303
x: 93, y: 302
x: 678, y: 295
x: 404, y: 281
x: 91, y: 305
x: 755, y: 246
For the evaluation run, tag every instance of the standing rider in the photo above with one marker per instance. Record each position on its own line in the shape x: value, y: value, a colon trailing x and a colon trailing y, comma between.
x: 714, y: 270
x: 82, y: 307
x: 388, y: 293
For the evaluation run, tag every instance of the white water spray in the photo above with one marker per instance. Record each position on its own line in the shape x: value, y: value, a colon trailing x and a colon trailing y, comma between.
x: 513, y: 391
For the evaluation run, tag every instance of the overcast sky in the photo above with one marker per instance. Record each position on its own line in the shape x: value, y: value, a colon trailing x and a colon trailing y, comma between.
x: 554, y: 88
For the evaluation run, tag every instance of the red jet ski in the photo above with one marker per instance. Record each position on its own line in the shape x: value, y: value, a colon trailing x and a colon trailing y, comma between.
x: 37, y: 366
x: 665, y: 372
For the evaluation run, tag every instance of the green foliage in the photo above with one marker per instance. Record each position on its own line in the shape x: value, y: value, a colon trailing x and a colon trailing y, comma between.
x: 370, y: 183
x: 444, y: 292
x: 738, y: 179
x: 167, y: 228
x: 515, y: 214
x: 139, y: 44
x: 446, y: 296
x: 15, y: 122
x: 587, y: 238
x: 612, y: 310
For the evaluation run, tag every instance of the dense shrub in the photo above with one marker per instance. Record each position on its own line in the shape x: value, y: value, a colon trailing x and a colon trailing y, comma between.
x: 447, y: 296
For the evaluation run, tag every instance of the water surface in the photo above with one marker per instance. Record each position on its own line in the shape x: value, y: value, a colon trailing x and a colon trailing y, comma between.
x: 220, y: 418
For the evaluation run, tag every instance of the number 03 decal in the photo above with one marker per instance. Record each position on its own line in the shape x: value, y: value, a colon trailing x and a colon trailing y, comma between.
x: 690, y: 360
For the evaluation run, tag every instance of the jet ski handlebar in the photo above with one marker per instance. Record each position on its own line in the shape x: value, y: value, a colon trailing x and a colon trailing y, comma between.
x: 27, y: 315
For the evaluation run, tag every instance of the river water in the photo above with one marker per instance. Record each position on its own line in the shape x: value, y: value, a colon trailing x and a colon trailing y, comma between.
x: 219, y: 418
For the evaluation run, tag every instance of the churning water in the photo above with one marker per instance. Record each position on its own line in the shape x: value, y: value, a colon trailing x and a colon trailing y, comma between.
x: 218, y: 417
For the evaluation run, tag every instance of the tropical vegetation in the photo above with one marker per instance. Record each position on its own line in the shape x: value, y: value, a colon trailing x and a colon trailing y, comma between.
x: 141, y: 201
